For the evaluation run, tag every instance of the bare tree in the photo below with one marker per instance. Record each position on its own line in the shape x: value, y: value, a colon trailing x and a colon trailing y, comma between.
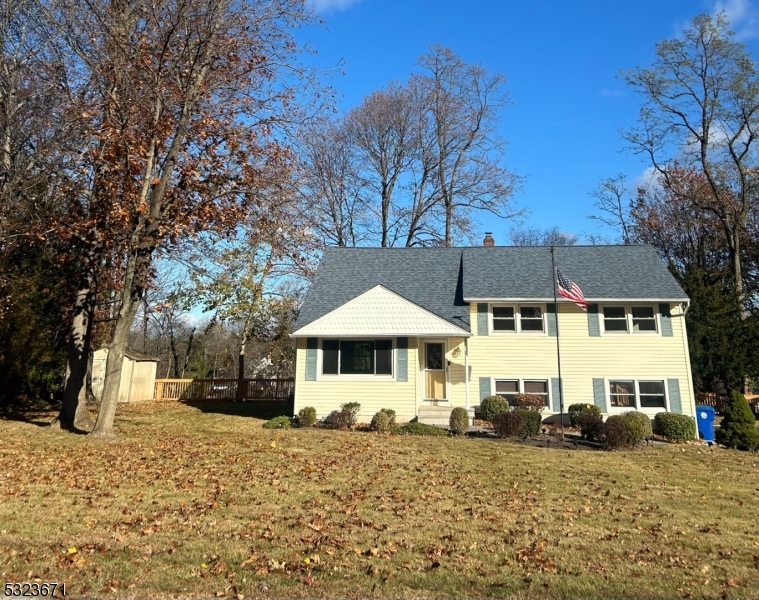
x: 413, y: 164
x: 535, y: 236
x: 613, y: 205
x: 701, y: 109
x: 463, y: 102
x: 331, y: 184
x: 381, y: 130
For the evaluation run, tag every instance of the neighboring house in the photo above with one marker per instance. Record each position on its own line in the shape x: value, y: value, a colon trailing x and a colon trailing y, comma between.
x: 401, y: 328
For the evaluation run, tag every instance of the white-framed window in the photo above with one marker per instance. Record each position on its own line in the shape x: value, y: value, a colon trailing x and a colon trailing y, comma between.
x: 357, y: 357
x: 626, y: 318
x: 517, y: 318
x: 637, y: 394
x: 504, y: 318
x: 510, y: 387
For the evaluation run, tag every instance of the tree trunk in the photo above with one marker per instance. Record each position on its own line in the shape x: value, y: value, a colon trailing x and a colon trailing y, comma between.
x: 448, y: 222
x: 242, y: 387
x: 189, y: 349
x: 173, y: 344
x: 74, y: 415
x: 130, y: 302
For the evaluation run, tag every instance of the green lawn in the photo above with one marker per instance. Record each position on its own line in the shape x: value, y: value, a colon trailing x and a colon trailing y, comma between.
x: 201, y: 501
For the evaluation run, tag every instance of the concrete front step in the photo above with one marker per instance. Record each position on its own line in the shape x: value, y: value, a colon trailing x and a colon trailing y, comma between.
x: 438, y: 415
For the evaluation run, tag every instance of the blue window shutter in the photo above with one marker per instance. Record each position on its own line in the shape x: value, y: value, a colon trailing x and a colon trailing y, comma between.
x: 311, y: 348
x: 594, y: 329
x: 599, y: 393
x: 401, y: 359
x: 482, y: 319
x: 484, y: 388
x: 673, y: 387
x: 666, y: 320
x: 551, y: 319
x: 555, y: 394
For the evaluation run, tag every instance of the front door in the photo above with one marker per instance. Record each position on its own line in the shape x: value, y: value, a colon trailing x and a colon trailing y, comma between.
x: 434, y: 371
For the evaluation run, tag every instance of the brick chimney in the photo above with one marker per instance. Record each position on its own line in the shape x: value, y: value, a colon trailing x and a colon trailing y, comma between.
x: 488, y: 241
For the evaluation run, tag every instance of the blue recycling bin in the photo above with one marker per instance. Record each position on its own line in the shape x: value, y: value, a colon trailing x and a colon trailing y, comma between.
x: 705, y: 419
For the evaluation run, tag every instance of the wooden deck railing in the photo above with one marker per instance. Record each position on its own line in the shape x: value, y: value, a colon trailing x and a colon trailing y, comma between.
x: 223, y: 389
x: 719, y: 401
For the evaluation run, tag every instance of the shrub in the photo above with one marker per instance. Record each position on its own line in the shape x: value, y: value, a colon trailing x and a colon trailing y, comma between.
x: 575, y: 410
x: 530, y: 422
x: 679, y: 428
x: 339, y: 419
x: 307, y: 416
x: 528, y: 402
x: 507, y: 424
x: 384, y: 420
x: 613, y: 434
x: 492, y: 406
x: 637, y: 425
x: 738, y: 427
x: 417, y: 428
x: 351, y: 409
x: 590, y: 425
x: 278, y: 423
x: 458, y: 422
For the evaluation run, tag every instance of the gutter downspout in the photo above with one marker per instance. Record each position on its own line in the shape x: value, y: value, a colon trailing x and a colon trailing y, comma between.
x: 466, y: 370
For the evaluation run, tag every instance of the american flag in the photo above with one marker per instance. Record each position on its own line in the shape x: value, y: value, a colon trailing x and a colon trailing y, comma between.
x: 569, y: 289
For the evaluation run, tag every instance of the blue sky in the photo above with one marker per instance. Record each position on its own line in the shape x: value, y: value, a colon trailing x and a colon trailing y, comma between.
x: 562, y: 62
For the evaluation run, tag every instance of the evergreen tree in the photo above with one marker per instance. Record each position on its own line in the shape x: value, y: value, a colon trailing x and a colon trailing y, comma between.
x: 738, y: 427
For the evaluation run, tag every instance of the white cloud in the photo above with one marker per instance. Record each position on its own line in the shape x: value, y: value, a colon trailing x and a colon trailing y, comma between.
x: 324, y: 6
x: 743, y: 17
x: 648, y: 178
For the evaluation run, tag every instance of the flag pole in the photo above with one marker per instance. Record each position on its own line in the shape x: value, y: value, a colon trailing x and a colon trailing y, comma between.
x: 558, y: 353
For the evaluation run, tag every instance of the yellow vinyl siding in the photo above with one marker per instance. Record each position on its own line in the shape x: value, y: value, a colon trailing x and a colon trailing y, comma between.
x: 327, y: 393
x: 635, y: 356
x: 458, y: 373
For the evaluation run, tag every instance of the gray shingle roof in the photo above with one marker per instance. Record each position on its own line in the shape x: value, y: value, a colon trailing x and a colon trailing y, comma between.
x: 429, y: 277
x: 619, y: 272
x: 439, y: 279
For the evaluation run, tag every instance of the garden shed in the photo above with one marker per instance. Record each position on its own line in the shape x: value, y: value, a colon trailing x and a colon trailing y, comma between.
x: 137, y: 375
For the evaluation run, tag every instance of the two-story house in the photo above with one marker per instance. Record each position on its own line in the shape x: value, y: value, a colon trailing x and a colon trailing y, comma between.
x: 423, y: 330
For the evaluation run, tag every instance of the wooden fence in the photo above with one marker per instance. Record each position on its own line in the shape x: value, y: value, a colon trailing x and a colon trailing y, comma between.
x: 223, y: 389
x: 719, y: 401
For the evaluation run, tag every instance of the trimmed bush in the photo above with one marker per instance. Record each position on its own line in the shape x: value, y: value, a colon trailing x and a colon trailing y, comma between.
x: 531, y: 421
x: 613, y: 434
x: 590, y: 425
x: 738, y: 427
x: 492, y: 406
x: 676, y: 427
x: 507, y: 424
x: 458, y: 423
x: 637, y: 425
x: 339, y: 419
x: 575, y: 410
x: 416, y: 428
x: 278, y: 423
x: 351, y: 410
x: 307, y: 416
x: 384, y: 420
x: 531, y: 402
